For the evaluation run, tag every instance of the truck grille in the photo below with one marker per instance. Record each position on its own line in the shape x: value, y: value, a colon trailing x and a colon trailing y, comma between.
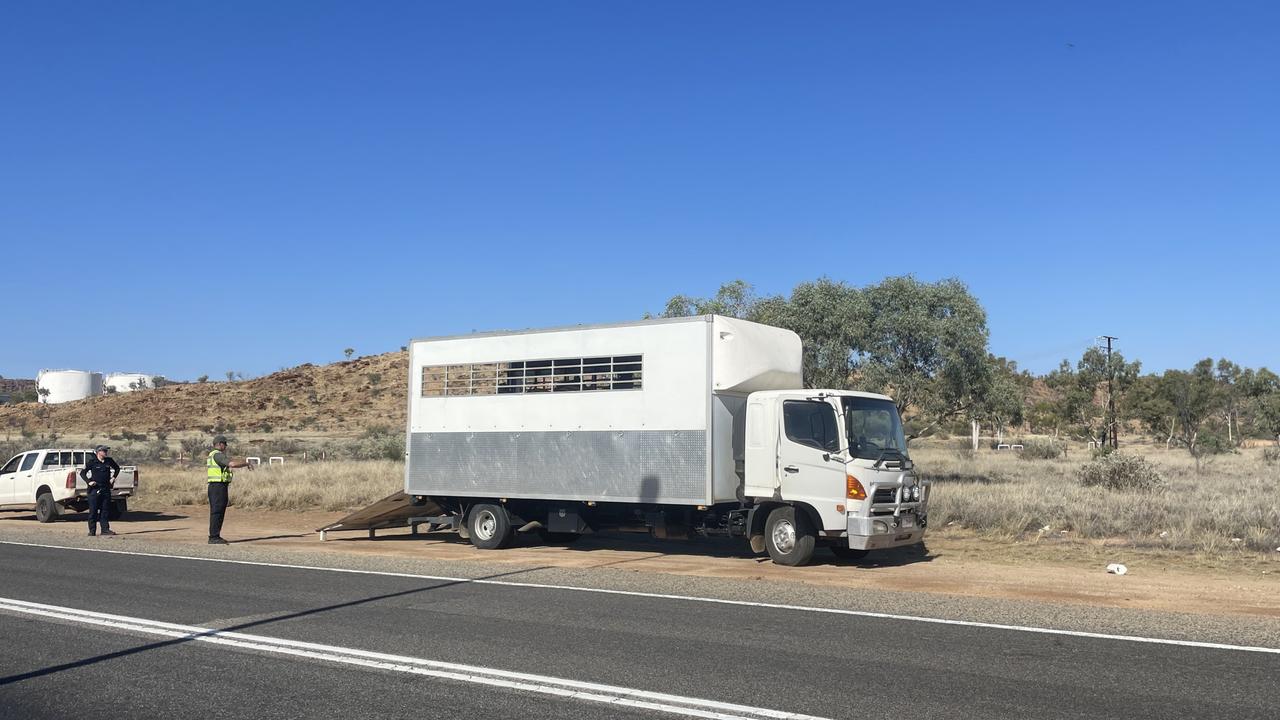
x: 884, y: 495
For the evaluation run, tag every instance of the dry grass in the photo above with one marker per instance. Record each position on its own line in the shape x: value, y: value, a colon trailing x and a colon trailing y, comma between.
x: 338, y: 485
x: 1233, y: 506
x: 994, y: 496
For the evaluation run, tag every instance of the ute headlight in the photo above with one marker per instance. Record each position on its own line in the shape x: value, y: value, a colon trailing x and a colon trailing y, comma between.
x: 915, y: 492
x: 879, y: 527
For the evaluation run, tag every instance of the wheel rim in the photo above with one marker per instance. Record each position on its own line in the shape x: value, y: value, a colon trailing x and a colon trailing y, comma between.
x: 486, y: 525
x: 784, y: 536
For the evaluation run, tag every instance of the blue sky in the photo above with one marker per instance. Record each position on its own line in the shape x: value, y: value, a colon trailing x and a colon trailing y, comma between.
x: 196, y: 187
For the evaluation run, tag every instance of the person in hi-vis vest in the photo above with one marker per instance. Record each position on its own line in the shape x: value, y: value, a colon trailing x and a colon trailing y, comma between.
x: 218, y: 469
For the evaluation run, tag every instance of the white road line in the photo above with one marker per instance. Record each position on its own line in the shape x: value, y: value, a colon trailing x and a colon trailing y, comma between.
x: 559, y: 687
x: 693, y: 598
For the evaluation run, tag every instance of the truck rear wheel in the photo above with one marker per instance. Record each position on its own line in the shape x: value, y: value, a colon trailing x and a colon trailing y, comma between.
x: 46, y: 509
x: 788, y: 537
x: 118, y: 509
x: 489, y: 527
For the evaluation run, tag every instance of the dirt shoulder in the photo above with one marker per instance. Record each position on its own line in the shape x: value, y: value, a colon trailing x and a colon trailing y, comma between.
x: 955, y: 565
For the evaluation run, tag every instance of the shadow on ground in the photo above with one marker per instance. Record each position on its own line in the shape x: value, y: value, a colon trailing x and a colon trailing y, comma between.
x: 94, y: 659
x: 636, y: 542
x: 72, y: 516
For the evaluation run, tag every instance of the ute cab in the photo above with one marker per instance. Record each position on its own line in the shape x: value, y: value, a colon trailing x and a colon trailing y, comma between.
x: 829, y: 467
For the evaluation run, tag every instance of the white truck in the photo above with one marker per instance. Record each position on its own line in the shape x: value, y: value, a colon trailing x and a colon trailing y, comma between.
x: 49, y: 481
x: 679, y: 426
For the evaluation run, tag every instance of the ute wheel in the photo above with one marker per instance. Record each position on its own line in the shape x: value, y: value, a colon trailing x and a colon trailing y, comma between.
x: 558, y: 538
x: 46, y: 509
x: 117, y: 509
x: 848, y: 553
x: 489, y: 527
x: 788, y: 536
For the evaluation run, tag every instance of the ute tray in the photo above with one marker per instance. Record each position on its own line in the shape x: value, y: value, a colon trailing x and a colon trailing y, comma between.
x: 393, y: 511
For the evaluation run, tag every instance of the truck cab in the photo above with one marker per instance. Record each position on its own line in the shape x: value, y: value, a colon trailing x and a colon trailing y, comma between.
x: 829, y: 467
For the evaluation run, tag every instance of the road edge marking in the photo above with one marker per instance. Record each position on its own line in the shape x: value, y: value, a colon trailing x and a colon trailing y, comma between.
x: 689, y: 598
x: 543, y: 684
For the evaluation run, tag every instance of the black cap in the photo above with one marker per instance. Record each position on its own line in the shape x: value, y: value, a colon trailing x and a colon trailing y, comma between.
x: 219, y: 439
x: 101, y: 448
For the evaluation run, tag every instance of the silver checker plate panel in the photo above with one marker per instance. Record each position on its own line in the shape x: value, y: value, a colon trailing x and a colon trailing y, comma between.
x: 668, y: 466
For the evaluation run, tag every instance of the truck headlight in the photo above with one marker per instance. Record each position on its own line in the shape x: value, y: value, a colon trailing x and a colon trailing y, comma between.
x: 879, y: 527
x: 915, y: 492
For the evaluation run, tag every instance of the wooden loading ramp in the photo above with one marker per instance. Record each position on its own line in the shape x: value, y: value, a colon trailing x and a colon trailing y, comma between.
x: 393, y: 511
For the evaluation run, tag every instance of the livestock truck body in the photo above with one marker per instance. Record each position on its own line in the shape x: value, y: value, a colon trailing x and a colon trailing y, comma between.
x: 674, y: 426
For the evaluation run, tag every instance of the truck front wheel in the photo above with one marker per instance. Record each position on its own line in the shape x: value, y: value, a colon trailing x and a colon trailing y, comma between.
x: 788, y: 537
x: 46, y: 509
x: 489, y: 527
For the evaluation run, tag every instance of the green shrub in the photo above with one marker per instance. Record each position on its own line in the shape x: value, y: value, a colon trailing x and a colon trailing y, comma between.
x: 131, y: 453
x: 9, y: 448
x: 1040, y: 450
x: 962, y: 449
x: 379, y: 442
x: 1119, y: 471
x: 1271, y: 455
x: 196, y: 446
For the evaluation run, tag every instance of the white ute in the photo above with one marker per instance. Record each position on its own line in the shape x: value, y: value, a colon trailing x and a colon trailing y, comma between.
x: 49, y: 481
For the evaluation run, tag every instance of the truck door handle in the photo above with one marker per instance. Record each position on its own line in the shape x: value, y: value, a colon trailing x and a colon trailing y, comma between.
x: 791, y: 469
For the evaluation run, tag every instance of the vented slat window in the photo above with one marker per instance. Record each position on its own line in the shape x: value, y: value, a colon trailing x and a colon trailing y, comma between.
x: 518, y: 377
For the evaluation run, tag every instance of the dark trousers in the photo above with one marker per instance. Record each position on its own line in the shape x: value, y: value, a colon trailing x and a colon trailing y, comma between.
x: 99, y: 509
x: 217, y: 507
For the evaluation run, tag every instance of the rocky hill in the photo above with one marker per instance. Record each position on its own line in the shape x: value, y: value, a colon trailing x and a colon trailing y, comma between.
x: 15, y: 388
x: 345, y: 397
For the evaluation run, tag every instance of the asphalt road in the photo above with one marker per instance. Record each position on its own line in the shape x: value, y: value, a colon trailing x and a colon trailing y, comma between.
x: 645, y: 656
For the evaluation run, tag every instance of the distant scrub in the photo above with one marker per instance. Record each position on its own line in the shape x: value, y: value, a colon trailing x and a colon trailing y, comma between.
x: 378, y: 443
x: 1232, y: 506
x: 1042, y: 450
x: 335, y: 485
x: 1120, y: 471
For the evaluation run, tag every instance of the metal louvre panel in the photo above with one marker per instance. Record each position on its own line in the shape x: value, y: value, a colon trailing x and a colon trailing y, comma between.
x: 667, y: 466
x: 887, y: 495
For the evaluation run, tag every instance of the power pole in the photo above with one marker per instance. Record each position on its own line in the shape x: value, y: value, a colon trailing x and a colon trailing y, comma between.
x: 1111, y: 396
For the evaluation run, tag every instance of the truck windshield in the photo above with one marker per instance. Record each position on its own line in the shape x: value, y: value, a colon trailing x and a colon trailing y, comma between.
x: 873, y: 426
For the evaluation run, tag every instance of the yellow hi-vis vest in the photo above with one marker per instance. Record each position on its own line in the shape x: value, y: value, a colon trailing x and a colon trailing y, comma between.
x: 215, y: 473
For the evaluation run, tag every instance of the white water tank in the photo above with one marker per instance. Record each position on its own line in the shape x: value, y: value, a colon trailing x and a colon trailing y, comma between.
x: 67, y: 385
x: 126, y: 382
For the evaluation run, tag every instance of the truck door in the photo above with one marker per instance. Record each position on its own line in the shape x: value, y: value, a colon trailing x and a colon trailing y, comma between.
x: 8, y: 474
x: 762, y: 448
x: 810, y: 431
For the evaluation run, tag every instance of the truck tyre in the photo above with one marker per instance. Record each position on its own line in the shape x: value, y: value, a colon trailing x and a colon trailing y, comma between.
x: 848, y: 553
x: 489, y: 527
x: 118, y: 509
x: 46, y: 509
x: 788, y: 537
